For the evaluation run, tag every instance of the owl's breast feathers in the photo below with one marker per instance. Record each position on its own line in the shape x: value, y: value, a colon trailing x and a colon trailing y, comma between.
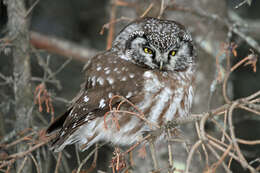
x: 161, y: 96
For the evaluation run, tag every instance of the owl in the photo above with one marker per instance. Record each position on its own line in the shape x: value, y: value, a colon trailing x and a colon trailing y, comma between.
x: 151, y: 65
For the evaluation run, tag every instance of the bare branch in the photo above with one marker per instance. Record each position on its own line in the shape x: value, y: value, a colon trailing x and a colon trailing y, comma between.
x: 61, y: 47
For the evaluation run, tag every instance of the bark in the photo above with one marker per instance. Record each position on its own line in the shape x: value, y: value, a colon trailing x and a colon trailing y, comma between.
x: 19, y: 37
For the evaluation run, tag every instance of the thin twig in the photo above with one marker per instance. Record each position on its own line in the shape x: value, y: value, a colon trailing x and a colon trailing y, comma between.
x: 88, y: 156
x: 58, y: 162
x: 225, y: 125
x: 249, y: 109
x: 22, y: 154
x: 202, y: 138
x: 161, y: 9
x: 242, y: 159
x: 60, y: 68
x: 77, y: 155
x: 94, y: 162
x: 169, y: 149
x: 147, y: 10
x: 254, y: 95
x: 217, y: 141
x: 111, y: 26
x: 247, y: 142
x: 25, y: 138
x: 35, y: 163
x: 192, y: 151
x: 231, y: 155
x: 153, y: 154
x: 31, y: 8
x: 136, y: 144
x: 22, y: 165
x: 219, y: 159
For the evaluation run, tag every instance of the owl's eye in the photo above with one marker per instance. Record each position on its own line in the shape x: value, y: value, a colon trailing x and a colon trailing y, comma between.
x: 148, y: 50
x: 172, y: 53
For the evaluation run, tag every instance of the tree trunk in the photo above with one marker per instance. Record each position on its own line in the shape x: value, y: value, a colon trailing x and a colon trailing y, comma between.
x: 19, y: 37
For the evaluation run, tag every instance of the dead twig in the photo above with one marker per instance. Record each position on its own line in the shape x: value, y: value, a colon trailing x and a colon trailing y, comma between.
x: 35, y: 163
x: 22, y: 165
x: 147, y: 10
x: 111, y: 29
x: 251, y: 59
x: 233, y: 137
x: 88, y: 156
x: 58, y: 163
x: 61, y: 47
x: 192, y: 151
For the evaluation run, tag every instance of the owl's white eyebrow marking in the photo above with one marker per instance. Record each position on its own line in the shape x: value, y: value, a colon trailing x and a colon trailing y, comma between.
x: 106, y: 68
x: 100, y: 80
x: 110, y: 80
x: 86, y: 99
x: 131, y: 75
x: 102, y: 103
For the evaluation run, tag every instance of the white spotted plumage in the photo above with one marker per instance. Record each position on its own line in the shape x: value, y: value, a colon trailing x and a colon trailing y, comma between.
x: 102, y: 103
x: 86, y: 98
x: 157, y: 82
x: 153, y: 88
x: 100, y: 80
x: 110, y: 80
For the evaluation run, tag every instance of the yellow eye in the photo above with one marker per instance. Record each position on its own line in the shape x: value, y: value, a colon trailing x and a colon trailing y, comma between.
x: 172, y: 53
x: 147, y: 50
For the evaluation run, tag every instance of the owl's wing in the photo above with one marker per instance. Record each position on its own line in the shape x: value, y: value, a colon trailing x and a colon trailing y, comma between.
x: 106, y: 75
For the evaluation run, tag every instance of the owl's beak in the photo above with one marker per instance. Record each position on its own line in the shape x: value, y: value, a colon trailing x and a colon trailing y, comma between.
x: 161, y: 65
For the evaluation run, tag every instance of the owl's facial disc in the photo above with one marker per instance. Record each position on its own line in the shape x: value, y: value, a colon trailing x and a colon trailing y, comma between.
x: 176, y: 58
x: 146, y: 54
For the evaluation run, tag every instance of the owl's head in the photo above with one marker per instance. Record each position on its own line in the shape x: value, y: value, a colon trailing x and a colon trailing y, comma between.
x: 156, y: 44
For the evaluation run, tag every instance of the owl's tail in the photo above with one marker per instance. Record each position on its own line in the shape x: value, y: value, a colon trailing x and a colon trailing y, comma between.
x: 57, y: 143
x: 58, y: 123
